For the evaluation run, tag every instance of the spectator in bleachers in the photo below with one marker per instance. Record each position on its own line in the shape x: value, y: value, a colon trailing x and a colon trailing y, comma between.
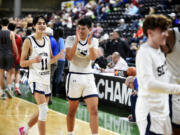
x: 131, y: 60
x: 135, y: 2
x: 101, y: 61
x: 98, y: 30
x: 117, y: 44
x: 89, y: 12
x: 122, y: 25
x: 104, y: 13
x: 29, y: 18
x: 139, y: 34
x: 117, y: 63
x: 104, y: 40
x: 173, y: 18
x: 131, y: 9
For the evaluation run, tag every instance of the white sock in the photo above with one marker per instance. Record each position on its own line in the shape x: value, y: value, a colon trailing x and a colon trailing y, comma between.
x: 16, y: 85
x: 95, y: 134
x: 70, y: 133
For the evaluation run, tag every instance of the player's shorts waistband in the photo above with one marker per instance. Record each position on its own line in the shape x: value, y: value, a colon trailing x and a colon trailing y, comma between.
x: 79, y: 73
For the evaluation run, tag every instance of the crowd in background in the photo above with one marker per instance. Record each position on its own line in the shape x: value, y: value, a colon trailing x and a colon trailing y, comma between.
x: 116, y: 50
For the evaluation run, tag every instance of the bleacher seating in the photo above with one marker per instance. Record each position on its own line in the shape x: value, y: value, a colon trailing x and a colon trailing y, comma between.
x: 113, y: 17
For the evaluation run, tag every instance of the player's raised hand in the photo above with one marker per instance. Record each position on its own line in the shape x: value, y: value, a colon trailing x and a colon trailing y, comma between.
x: 77, y: 34
x: 90, y: 37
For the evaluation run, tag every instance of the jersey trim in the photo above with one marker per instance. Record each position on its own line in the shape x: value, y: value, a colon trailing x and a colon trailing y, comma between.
x: 79, y: 73
x: 73, y: 98
x: 69, y: 76
x: 37, y: 42
x: 94, y: 95
x: 84, y: 43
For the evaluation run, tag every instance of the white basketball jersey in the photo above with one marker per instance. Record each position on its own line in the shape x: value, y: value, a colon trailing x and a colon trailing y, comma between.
x: 173, y: 66
x: 81, y: 62
x: 151, y: 64
x: 172, y: 58
x: 40, y: 72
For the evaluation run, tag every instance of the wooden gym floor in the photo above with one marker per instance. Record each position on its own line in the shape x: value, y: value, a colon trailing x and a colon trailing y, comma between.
x: 16, y: 112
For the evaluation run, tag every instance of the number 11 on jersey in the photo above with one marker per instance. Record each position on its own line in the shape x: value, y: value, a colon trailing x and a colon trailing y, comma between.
x: 44, y: 64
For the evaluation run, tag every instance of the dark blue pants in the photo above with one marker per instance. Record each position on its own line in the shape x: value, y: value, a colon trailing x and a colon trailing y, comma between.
x: 58, y: 76
x: 133, y: 99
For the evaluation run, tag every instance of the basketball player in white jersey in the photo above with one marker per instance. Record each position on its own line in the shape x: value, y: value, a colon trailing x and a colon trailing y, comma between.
x: 172, y: 50
x: 81, y: 50
x: 153, y: 80
x: 37, y: 55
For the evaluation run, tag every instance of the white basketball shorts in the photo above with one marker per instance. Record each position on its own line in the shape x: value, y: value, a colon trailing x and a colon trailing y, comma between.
x: 40, y: 88
x: 80, y: 85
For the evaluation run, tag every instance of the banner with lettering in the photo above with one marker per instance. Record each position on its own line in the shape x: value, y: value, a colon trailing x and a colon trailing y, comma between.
x: 113, y: 89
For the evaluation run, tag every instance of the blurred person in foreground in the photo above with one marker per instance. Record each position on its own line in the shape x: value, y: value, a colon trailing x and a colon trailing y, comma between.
x: 172, y: 51
x: 153, y: 80
x: 14, y: 74
x: 7, y: 42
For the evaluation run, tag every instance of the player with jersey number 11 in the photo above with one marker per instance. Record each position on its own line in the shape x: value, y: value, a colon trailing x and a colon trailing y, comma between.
x: 37, y: 55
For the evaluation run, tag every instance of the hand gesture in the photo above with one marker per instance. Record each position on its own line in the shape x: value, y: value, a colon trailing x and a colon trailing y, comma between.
x: 90, y: 37
x: 77, y: 34
x: 37, y: 59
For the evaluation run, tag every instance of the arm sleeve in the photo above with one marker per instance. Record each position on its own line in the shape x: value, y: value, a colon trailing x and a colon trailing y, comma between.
x: 150, y: 83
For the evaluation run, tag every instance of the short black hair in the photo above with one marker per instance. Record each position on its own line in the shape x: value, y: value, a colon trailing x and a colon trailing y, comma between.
x: 58, y: 32
x: 35, y: 20
x: 11, y: 26
x: 4, y: 21
x: 85, y: 21
x: 28, y: 32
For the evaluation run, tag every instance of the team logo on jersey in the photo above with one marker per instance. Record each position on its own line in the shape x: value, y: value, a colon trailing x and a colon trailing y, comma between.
x: 82, y: 52
x: 161, y: 69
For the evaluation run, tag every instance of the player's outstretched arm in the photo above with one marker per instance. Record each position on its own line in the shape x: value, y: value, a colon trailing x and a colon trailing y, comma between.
x: 157, y: 86
x: 145, y: 73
